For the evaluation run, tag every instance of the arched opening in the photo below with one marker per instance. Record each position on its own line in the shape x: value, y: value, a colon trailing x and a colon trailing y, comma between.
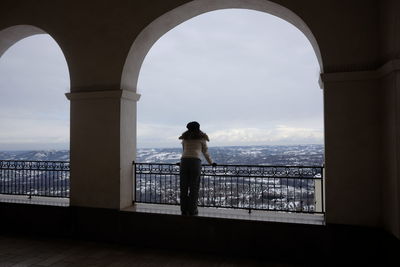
x: 34, y: 78
x: 163, y: 24
x: 154, y: 31
x: 249, y: 77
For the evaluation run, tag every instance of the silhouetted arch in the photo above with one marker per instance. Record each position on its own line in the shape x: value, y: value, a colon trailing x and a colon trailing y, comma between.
x: 13, y: 34
x: 169, y: 20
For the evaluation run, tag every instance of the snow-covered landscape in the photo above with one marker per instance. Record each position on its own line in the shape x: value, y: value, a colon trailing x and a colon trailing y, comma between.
x: 288, y: 155
x: 230, y: 184
x: 305, y: 155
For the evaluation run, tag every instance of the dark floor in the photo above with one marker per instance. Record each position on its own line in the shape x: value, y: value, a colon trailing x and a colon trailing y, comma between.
x: 40, y: 235
x: 24, y: 251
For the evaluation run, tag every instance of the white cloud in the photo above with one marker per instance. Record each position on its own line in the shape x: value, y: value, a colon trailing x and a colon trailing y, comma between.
x: 158, y: 135
x: 279, y: 135
x: 167, y: 136
x: 30, y: 133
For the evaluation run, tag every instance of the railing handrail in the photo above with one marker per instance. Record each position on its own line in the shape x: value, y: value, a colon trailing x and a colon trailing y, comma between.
x: 237, y: 165
x: 17, y: 160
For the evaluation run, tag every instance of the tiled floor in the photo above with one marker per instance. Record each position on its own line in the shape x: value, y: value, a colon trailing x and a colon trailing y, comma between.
x: 23, y: 251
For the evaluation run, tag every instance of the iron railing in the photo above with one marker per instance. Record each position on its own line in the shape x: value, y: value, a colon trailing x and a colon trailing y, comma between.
x: 277, y: 188
x: 35, y: 178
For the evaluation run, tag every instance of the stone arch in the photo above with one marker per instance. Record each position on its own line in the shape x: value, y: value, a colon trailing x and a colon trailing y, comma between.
x: 13, y: 34
x: 171, y: 19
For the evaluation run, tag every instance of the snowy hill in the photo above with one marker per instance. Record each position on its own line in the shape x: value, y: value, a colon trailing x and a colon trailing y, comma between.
x: 250, y: 155
x: 39, y: 155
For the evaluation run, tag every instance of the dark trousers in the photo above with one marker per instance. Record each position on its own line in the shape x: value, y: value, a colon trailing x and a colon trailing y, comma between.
x: 190, y: 171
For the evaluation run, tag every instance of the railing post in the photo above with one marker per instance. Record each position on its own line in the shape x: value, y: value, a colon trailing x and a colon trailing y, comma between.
x: 318, y: 192
x: 323, y: 188
x: 29, y: 179
x: 134, y: 181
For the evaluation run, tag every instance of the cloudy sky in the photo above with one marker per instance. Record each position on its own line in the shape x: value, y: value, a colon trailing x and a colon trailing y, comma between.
x: 249, y: 78
x: 34, y: 113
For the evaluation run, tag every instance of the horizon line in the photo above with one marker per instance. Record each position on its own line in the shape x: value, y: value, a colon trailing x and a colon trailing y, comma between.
x: 160, y: 147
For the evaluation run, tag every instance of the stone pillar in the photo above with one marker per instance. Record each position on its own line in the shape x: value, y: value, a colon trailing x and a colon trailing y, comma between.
x: 352, y: 148
x: 390, y: 87
x: 128, y: 144
x: 103, y: 146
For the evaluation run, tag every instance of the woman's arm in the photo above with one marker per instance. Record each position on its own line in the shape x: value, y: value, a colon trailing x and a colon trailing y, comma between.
x: 204, y: 149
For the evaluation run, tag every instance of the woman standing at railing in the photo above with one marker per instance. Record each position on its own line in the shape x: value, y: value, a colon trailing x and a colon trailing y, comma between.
x: 194, y: 143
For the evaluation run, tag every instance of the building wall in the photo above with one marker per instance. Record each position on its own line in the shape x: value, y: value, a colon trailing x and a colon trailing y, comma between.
x: 389, y: 30
x: 390, y: 89
x: 96, y: 37
x: 390, y: 151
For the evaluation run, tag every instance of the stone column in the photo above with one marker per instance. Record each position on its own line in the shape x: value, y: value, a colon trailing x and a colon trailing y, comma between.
x: 128, y: 145
x: 352, y: 148
x: 362, y: 147
x: 103, y: 146
x: 390, y: 87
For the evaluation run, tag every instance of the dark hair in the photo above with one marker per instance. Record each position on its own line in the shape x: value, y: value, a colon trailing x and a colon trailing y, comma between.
x: 193, y: 126
x: 193, y: 132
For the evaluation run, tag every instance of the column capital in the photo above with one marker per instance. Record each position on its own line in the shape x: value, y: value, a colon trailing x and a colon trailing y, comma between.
x: 386, y: 69
x: 118, y: 94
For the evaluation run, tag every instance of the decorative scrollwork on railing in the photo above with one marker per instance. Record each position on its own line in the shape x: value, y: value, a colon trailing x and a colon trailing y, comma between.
x: 237, y: 170
x: 34, y: 165
x: 263, y: 171
x: 161, y: 169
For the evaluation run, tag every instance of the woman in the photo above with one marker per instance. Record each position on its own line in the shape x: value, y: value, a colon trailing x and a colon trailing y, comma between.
x: 194, y: 143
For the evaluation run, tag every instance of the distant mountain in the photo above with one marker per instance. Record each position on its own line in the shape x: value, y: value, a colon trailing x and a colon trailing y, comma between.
x: 39, y: 155
x: 248, y: 155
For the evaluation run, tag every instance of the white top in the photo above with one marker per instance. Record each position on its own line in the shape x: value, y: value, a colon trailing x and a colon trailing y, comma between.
x: 193, y: 148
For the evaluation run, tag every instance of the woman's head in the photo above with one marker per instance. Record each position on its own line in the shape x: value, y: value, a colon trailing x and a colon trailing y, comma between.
x: 194, y: 132
x: 193, y: 126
